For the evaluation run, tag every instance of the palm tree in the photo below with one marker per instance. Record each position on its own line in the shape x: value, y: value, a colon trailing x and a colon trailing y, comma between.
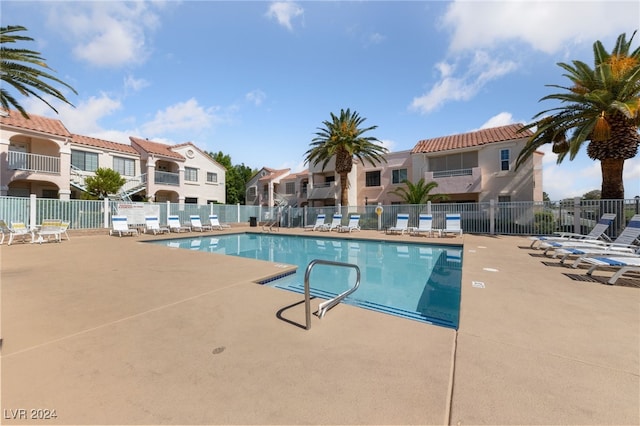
x: 602, y: 106
x: 418, y: 193
x: 15, y: 71
x: 342, y: 138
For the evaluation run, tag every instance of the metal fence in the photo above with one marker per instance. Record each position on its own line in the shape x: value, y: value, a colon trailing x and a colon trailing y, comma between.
x: 513, y: 218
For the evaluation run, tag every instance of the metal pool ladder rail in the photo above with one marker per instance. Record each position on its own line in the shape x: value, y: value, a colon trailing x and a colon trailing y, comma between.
x: 325, y: 306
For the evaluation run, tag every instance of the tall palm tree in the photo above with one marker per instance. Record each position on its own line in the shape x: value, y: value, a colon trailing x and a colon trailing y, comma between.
x: 342, y: 138
x: 419, y: 192
x: 16, y: 71
x: 602, y: 106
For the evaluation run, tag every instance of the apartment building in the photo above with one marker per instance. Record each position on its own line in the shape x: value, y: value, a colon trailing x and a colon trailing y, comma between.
x: 40, y: 156
x: 471, y: 167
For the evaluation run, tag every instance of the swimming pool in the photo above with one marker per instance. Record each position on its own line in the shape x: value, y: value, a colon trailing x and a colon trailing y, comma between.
x: 415, y: 281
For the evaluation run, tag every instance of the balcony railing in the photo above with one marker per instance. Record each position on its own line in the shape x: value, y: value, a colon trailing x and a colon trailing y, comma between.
x: 167, y: 178
x: 323, y: 191
x: 33, y: 162
x: 451, y: 173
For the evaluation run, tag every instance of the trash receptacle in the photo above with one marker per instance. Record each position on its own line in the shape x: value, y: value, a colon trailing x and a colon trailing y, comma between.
x: 253, y: 221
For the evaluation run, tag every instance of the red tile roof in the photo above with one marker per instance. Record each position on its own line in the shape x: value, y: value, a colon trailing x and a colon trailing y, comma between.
x: 36, y: 123
x: 156, y: 148
x: 273, y: 174
x: 100, y: 143
x: 472, y: 139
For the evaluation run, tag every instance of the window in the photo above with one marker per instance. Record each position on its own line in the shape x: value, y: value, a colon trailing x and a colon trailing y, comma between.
x: 252, y: 192
x: 504, y: 159
x: 372, y: 178
x: 49, y: 193
x: 190, y: 174
x: 504, y: 198
x: 124, y: 166
x: 398, y: 175
x: 190, y: 200
x: 212, y: 177
x: 290, y: 188
x: 86, y: 161
x: 460, y: 161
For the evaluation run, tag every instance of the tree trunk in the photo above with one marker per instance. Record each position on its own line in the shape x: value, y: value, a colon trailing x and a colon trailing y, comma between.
x: 344, y: 189
x: 612, y: 183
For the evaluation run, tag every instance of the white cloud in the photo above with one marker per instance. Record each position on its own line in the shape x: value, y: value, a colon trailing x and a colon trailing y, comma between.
x: 182, y: 116
x: 501, y: 119
x: 544, y: 25
x: 106, y: 34
x: 284, y: 12
x: 135, y: 84
x: 256, y: 97
x: 480, y: 70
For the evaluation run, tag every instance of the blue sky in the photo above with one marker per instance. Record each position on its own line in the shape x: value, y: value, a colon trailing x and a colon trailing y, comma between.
x: 255, y: 79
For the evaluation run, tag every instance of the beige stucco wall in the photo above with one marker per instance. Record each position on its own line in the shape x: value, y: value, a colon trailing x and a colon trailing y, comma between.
x: 202, y: 190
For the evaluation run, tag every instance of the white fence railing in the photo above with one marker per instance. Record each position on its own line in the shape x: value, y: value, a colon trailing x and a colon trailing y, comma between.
x: 515, y: 218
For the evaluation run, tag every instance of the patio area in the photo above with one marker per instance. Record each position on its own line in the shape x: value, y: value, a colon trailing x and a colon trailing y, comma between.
x: 105, y: 330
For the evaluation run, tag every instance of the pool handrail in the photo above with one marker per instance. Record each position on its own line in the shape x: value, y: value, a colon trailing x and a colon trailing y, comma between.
x: 326, y: 305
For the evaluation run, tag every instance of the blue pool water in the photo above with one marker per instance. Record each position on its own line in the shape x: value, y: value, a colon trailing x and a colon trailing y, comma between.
x: 415, y: 281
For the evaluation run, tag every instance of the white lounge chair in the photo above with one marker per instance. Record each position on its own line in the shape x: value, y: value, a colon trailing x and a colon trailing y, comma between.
x: 152, y: 224
x: 120, y: 226
x: 319, y: 223
x: 452, y: 224
x: 215, y: 223
x: 622, y: 264
x: 402, y: 224
x: 64, y: 226
x: 19, y: 230
x: 196, y: 224
x: 336, y: 222
x: 598, y: 232
x: 49, y: 228
x: 353, y: 225
x: 582, y: 253
x: 5, y: 230
x: 175, y: 226
x: 626, y: 240
x: 425, y: 226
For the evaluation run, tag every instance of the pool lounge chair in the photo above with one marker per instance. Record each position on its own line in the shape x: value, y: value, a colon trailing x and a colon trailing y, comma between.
x: 582, y: 253
x: 19, y: 230
x: 215, y: 223
x: 196, y: 224
x: 452, y: 224
x: 623, y: 265
x: 64, y: 226
x: 120, y: 227
x: 4, y: 230
x: 175, y: 226
x: 152, y: 225
x: 402, y: 224
x: 625, y: 241
x: 353, y: 225
x: 598, y: 232
x: 319, y: 223
x: 336, y: 223
x: 48, y: 229
x: 425, y: 226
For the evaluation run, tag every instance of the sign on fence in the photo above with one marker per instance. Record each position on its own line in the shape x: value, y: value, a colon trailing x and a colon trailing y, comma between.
x: 135, y: 212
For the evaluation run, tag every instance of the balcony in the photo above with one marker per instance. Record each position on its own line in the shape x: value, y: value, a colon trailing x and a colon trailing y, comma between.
x: 33, y: 162
x: 460, y: 181
x: 166, y: 178
x: 323, y: 191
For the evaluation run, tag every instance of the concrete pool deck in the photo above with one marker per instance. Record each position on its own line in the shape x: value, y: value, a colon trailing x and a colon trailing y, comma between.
x: 105, y: 330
